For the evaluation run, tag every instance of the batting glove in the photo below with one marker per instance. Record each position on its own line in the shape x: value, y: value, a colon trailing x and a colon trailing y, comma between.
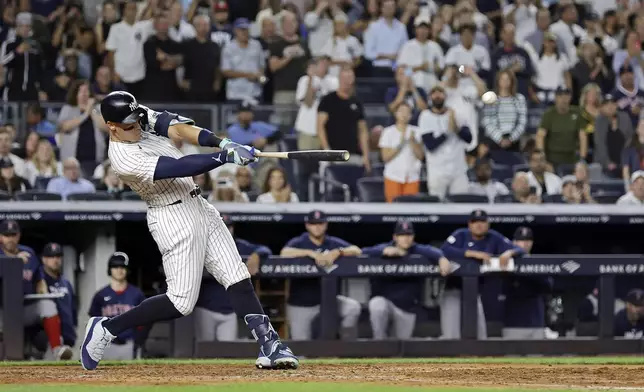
x: 240, y: 155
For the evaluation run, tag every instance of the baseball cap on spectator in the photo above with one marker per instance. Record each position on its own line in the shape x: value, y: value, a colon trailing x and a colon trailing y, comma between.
x: 316, y: 216
x: 403, y: 228
x: 241, y: 23
x: 9, y: 227
x: 548, y: 35
x: 5, y: 163
x: 52, y: 249
x: 626, y: 68
x: 569, y: 179
x: 637, y: 174
x: 341, y: 17
x: 422, y: 19
x: 24, y: 18
x: 635, y: 297
x: 221, y: 6
x: 227, y: 220
x: 523, y: 233
x: 478, y: 215
x: 609, y: 98
x: 245, y: 106
x: 562, y: 90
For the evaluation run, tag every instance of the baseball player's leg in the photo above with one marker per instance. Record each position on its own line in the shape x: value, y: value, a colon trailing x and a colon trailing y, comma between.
x: 45, y: 311
x: 404, y: 322
x: 300, y: 319
x: 205, y: 325
x: 481, y: 327
x: 450, y: 304
x: 349, y: 310
x: 379, y: 312
x: 119, y: 352
x: 226, y: 329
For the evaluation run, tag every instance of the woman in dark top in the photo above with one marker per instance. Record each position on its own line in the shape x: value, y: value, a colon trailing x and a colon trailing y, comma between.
x: 109, y: 16
x: 633, y: 155
x: 613, y: 128
x: 65, y: 78
x: 9, y: 181
x: 591, y: 68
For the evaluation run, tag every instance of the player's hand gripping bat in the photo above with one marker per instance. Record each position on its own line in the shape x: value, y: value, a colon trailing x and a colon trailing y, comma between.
x: 313, y: 155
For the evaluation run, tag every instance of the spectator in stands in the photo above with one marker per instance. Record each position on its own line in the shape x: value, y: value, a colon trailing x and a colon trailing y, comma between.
x: 633, y: 154
x: 10, y: 183
x: 28, y: 148
x: 243, y: 177
x: 288, y: 61
x: 204, y: 181
x: 436, y: 26
x: 522, y: 192
x: 613, y: 130
x: 226, y: 190
x: 591, y: 69
x: 505, y: 122
x: 547, y: 183
x: 319, y: 23
x: 276, y: 188
x: 551, y: 72
x: 635, y: 196
x: 67, y: 25
x: 341, y: 123
x: 396, y: 300
x: 6, y: 140
x: 445, y: 142
x: 574, y: 191
x: 108, y: 17
x: 242, y: 63
x: 403, y: 154
x: 630, y: 98
x: 36, y: 122
x: 630, y: 55
x: 303, y: 304
x: 462, y: 97
x: 406, y: 92
x: 568, y: 31
x: 513, y: 58
x: 85, y: 49
x: 222, y: 30
x: 202, y: 79
x: 342, y: 48
x: 485, y: 185
x: 469, y: 54
x: 370, y: 16
x: 70, y: 181
x: 183, y: 29
x: 67, y: 75
x: 124, y: 47
x: 465, y: 14
x: 590, y: 102
x: 383, y: 40
x: 629, y: 322
x: 22, y: 57
x: 111, y: 183
x: 104, y: 83
x: 43, y: 163
x: 561, y: 134
x: 523, y: 14
x: 81, y: 128
x: 162, y: 57
x: 422, y: 56
x: 537, y: 38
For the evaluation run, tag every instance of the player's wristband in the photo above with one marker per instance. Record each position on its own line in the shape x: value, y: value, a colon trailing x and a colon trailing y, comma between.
x: 209, y: 139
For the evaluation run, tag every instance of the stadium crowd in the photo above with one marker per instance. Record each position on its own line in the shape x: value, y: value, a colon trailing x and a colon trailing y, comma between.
x: 428, y: 63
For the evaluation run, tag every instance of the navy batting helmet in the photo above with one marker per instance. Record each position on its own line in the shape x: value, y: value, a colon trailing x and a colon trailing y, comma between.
x: 118, y: 259
x: 121, y: 107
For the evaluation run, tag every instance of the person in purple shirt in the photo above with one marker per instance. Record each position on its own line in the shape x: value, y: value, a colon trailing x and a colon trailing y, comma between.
x: 477, y: 242
x: 114, y: 299
x: 305, y: 294
x: 629, y: 322
x: 395, y: 299
x: 248, y: 132
x: 71, y: 181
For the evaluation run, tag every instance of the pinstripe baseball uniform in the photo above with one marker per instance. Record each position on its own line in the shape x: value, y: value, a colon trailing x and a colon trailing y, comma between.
x: 187, y: 229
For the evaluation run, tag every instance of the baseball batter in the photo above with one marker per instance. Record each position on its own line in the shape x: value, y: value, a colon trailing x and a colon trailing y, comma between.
x: 188, y: 230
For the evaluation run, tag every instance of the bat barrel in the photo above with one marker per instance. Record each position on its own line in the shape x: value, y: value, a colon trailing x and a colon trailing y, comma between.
x: 321, y: 155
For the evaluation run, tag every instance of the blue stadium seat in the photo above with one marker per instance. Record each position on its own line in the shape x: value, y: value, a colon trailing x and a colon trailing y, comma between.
x: 504, y: 199
x: 96, y: 181
x: 97, y: 196
x: 565, y: 169
x: 36, y: 195
x: 467, y: 198
x: 4, y: 196
x: 344, y: 174
x: 418, y: 198
x: 130, y: 195
x: 508, y: 158
x: 607, y: 197
x: 377, y: 170
x: 372, y: 189
x: 554, y: 199
x: 41, y: 183
x: 502, y: 172
x: 524, y: 167
x: 607, y: 186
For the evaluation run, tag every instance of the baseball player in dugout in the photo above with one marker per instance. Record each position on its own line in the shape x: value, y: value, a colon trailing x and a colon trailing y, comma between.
x: 41, y: 312
x: 304, y: 295
x: 188, y: 230
x: 395, y: 300
x: 215, y: 318
x: 477, y: 242
x: 117, y: 298
x: 524, y: 315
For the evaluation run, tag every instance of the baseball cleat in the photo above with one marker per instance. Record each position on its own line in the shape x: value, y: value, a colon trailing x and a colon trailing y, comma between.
x: 97, y: 338
x: 63, y: 353
x: 280, y: 357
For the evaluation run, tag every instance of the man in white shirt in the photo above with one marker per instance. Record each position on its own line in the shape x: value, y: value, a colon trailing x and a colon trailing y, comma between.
x: 467, y: 53
x: 310, y: 89
x: 634, y: 197
x: 402, y: 153
x: 423, y: 56
x: 125, y: 49
x: 383, y: 40
x: 568, y: 32
x: 544, y: 181
x: 445, y: 142
x: 485, y: 185
x: 523, y: 14
x: 6, y: 140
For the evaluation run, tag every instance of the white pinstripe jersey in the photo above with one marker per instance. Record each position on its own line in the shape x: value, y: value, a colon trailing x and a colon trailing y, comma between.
x: 135, y: 163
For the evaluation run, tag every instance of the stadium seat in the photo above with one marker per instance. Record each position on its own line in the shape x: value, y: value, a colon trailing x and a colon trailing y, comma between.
x: 504, y: 199
x: 4, y: 196
x: 467, y: 198
x: 418, y: 198
x: 344, y: 174
x: 508, y: 158
x: 97, y: 196
x: 252, y: 196
x: 377, y: 170
x: 36, y: 195
x: 607, y: 197
x: 502, y: 172
x: 41, y: 183
x: 130, y: 195
x: 371, y: 189
x: 552, y: 199
x: 565, y: 169
x: 607, y: 186
x: 96, y: 181
x: 524, y: 167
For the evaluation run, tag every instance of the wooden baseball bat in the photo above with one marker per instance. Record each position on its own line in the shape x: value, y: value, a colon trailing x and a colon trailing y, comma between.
x: 313, y: 155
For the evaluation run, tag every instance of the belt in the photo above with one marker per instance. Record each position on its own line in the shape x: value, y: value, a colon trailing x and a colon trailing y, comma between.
x: 193, y: 193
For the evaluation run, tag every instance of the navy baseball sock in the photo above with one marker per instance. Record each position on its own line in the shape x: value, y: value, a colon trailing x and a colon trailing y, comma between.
x: 153, y: 309
x: 247, y: 307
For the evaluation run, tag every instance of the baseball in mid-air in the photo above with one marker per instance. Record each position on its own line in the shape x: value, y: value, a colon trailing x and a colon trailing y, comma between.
x: 489, y: 97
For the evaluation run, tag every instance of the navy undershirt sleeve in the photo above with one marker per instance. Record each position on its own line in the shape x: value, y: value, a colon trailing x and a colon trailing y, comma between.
x: 189, y: 165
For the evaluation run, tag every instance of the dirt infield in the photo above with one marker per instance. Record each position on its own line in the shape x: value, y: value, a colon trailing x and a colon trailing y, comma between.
x: 430, y: 374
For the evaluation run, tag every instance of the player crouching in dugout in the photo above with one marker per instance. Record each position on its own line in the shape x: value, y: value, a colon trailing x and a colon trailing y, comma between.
x: 304, y: 295
x: 395, y: 299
